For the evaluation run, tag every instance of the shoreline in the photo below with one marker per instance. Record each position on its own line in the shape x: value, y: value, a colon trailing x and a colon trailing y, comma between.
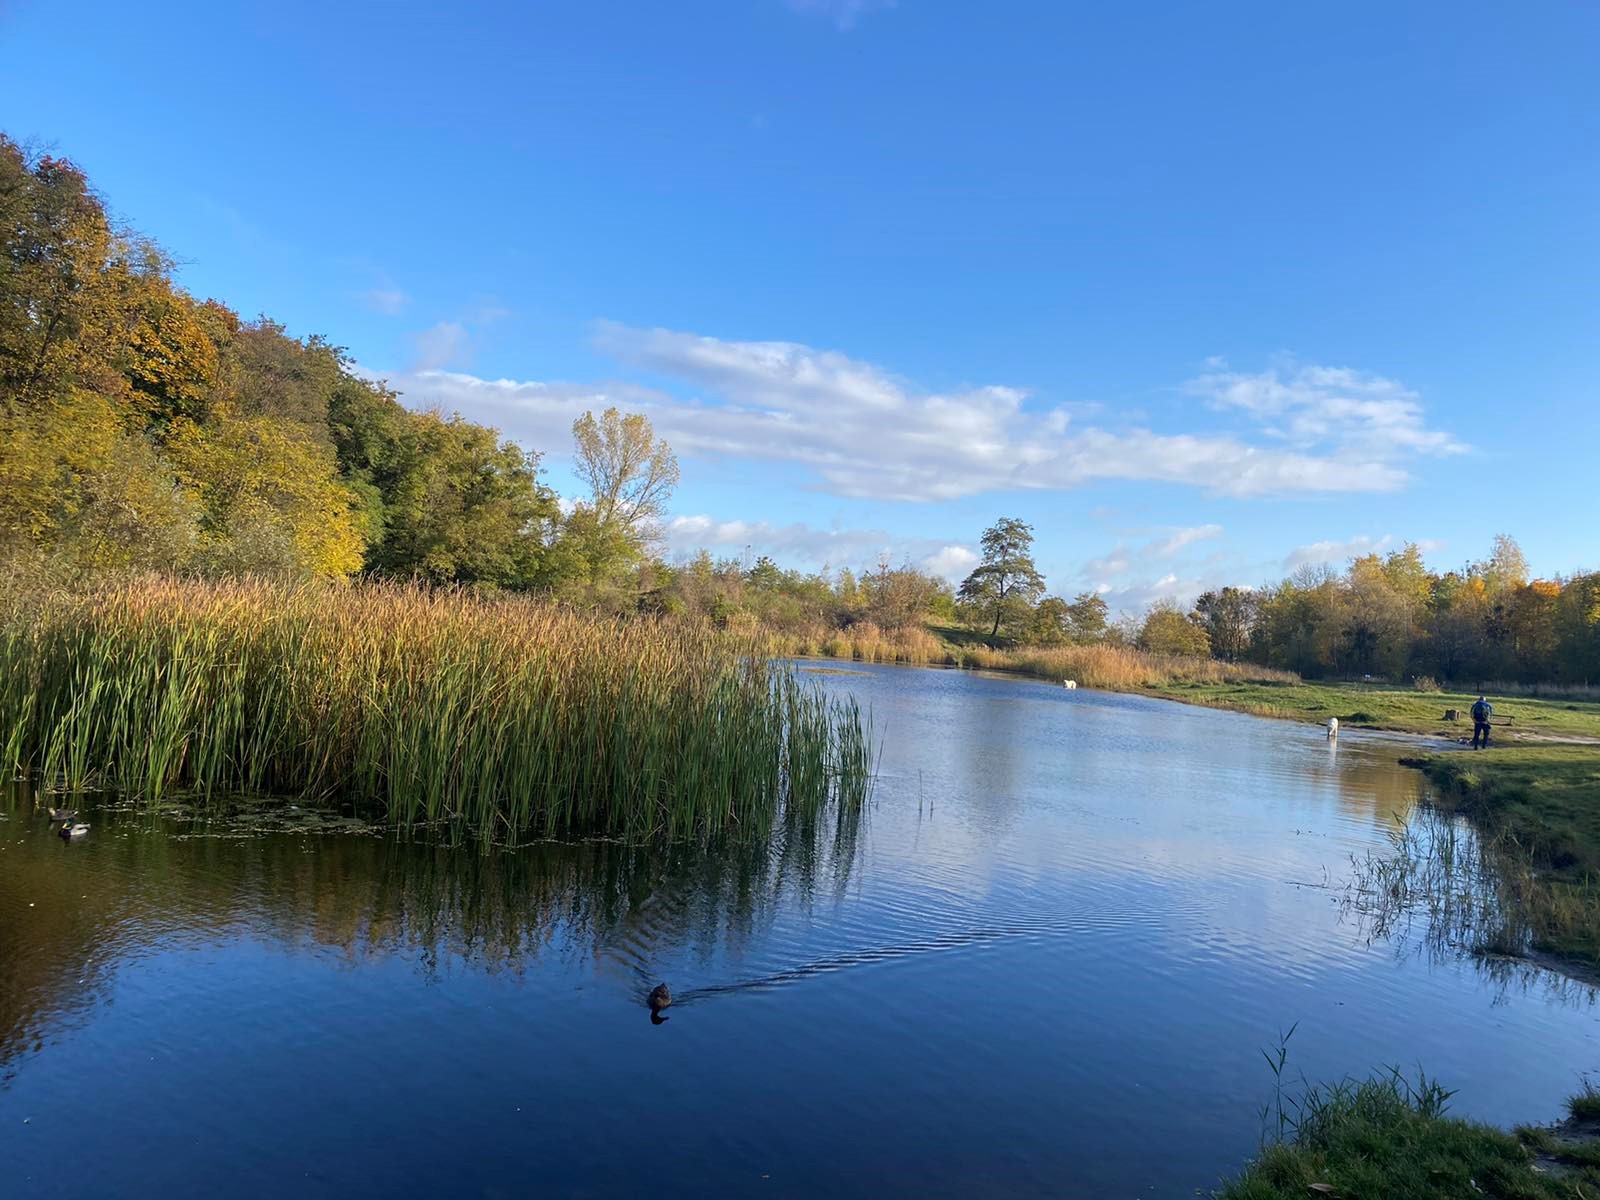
x: 1252, y: 702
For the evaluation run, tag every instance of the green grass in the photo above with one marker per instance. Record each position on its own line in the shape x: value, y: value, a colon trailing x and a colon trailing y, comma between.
x: 1387, y: 1139
x: 1540, y: 808
x: 1585, y: 1106
x: 1376, y: 706
x: 499, y: 717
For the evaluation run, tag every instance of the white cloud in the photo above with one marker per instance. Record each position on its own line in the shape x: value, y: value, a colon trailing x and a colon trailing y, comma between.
x: 843, y: 13
x: 1115, y: 563
x: 1131, y: 578
x: 952, y: 562
x: 539, y: 415
x: 1305, y: 405
x: 1136, y: 596
x: 1177, y: 540
x: 1124, y: 558
x: 389, y: 301
x: 801, y: 543
x: 1336, y: 552
x: 863, y: 432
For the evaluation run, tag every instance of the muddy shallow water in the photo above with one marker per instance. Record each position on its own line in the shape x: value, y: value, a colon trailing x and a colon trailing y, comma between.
x: 1044, y: 964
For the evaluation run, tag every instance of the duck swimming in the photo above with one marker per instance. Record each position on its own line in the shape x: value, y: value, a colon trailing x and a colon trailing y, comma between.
x: 659, y: 998
x: 62, y: 814
x: 68, y: 832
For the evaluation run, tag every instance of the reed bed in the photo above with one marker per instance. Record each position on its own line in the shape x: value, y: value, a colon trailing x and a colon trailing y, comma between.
x: 500, y: 717
x: 1113, y: 668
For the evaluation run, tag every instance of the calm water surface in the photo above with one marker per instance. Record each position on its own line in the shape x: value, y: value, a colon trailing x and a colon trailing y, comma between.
x: 1045, y: 964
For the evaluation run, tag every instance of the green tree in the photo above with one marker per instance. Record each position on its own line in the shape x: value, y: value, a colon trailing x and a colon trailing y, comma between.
x: 1088, y: 615
x: 1051, y: 622
x: 462, y: 506
x: 59, y: 298
x: 1166, y: 630
x: 1005, y: 583
x: 898, y: 596
x: 271, y: 374
x: 1227, y: 615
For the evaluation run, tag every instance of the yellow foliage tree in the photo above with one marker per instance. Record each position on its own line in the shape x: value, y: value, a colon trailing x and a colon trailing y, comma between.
x: 80, y: 489
x: 270, y: 498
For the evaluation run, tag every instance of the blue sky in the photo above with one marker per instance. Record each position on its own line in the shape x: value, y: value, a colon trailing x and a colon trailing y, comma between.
x: 1202, y: 292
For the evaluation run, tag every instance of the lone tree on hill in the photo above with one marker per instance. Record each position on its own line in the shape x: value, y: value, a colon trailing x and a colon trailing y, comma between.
x: 1006, y: 583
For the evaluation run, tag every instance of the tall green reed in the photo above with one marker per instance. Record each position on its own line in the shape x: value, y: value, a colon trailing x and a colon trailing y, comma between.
x: 502, y: 717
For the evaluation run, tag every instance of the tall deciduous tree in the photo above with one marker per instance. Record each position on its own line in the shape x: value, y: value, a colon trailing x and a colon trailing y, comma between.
x: 1005, y: 583
x: 1227, y: 615
x: 1088, y: 614
x: 630, y: 472
x: 1167, y: 631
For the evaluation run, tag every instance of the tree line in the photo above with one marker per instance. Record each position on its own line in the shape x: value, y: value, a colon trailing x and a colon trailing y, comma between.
x: 1384, y: 615
x: 142, y: 429
x: 1390, y: 616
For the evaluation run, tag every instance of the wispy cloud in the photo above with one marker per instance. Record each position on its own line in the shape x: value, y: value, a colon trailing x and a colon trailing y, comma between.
x: 1179, y: 539
x: 1134, y: 597
x: 390, y: 301
x: 1305, y: 405
x: 1336, y: 553
x: 952, y: 562
x: 440, y: 345
x: 864, y: 432
x: 843, y: 13
x: 799, y: 543
x: 1333, y: 551
x: 1159, y: 549
x: 451, y: 343
x: 1131, y: 577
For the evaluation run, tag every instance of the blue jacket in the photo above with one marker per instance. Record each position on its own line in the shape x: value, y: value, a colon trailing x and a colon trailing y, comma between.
x: 1482, y: 710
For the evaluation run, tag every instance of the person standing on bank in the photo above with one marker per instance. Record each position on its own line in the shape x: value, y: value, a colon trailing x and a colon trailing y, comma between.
x: 1481, y: 712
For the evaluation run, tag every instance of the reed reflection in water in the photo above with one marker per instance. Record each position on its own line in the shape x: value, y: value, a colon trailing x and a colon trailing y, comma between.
x: 143, y: 883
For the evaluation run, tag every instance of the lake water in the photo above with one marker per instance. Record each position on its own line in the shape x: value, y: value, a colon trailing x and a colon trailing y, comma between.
x: 1045, y: 964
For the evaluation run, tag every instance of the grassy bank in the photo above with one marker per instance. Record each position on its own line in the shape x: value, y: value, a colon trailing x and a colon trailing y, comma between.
x: 500, y: 717
x: 1539, y: 809
x: 1375, y: 706
x: 1387, y: 1139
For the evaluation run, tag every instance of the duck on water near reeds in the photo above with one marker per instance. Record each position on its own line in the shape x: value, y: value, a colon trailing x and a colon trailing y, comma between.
x: 70, y: 830
x: 62, y: 814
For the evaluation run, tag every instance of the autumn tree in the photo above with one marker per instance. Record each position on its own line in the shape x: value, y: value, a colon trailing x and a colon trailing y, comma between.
x: 1227, y: 615
x: 630, y: 472
x: 59, y: 291
x: 1088, y: 616
x: 1005, y: 583
x: 1167, y: 630
x: 898, y: 596
x: 269, y: 497
x: 1051, y: 622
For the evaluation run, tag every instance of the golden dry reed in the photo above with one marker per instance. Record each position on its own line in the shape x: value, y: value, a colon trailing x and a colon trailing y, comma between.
x: 501, y: 717
x: 1112, y: 668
